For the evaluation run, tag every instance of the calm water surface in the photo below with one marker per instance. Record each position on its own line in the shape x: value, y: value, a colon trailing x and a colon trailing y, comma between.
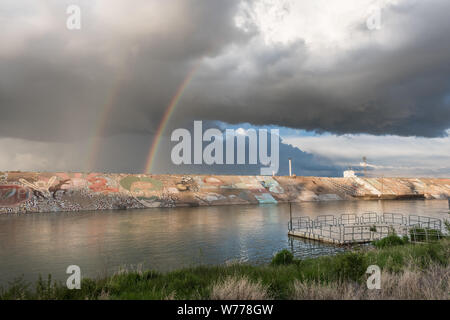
x: 166, y: 239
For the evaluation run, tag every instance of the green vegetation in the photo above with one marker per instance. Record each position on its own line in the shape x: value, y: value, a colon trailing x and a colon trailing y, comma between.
x: 284, y: 278
x: 447, y: 225
x: 284, y: 257
x: 425, y: 234
x: 391, y: 240
x: 350, y: 266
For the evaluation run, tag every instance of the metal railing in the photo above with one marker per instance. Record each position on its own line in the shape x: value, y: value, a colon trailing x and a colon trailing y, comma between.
x: 369, y: 217
x: 424, y: 235
x: 301, y: 222
x: 394, y: 218
x: 326, y: 220
x: 367, y: 227
x: 348, y: 219
x: 425, y: 222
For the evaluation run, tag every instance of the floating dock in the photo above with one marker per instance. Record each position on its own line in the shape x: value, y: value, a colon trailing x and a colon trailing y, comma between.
x: 367, y: 227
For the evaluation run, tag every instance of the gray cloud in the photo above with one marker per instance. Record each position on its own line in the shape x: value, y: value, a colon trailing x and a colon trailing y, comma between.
x: 55, y: 84
x: 380, y: 87
x: 116, y: 76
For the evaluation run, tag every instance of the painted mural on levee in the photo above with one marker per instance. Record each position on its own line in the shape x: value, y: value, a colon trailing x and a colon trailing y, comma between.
x: 27, y: 192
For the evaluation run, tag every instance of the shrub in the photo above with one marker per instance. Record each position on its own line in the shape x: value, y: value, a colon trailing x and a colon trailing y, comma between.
x: 284, y: 257
x: 447, y: 225
x: 350, y: 266
x: 18, y: 289
x: 45, y: 288
x: 390, y: 240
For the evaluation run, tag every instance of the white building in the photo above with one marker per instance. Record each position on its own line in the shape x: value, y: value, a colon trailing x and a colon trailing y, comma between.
x: 349, y: 174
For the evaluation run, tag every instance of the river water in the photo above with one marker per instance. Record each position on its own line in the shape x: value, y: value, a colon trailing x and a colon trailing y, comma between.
x: 165, y: 239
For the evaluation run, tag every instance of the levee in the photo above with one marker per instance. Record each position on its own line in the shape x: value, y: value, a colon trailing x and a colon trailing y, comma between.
x: 27, y: 192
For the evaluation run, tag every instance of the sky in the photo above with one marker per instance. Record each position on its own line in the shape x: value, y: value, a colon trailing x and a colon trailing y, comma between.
x: 339, y: 79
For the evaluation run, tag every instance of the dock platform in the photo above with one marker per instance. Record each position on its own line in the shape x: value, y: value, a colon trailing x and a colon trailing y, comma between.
x: 370, y: 226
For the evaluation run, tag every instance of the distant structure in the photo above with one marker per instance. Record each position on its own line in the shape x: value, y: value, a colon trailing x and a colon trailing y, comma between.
x: 364, y: 163
x: 349, y: 174
x: 290, y: 167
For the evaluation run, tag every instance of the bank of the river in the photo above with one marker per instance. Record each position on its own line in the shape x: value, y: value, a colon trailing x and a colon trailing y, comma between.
x: 30, y: 192
x: 410, y: 271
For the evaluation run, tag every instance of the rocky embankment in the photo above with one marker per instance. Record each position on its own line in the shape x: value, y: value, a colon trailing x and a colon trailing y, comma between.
x: 59, y: 191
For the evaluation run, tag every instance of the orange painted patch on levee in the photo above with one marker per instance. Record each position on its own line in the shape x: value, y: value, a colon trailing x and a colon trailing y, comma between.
x: 42, y: 192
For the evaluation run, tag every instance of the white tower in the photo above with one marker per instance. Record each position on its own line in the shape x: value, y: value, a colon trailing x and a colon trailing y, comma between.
x: 290, y: 167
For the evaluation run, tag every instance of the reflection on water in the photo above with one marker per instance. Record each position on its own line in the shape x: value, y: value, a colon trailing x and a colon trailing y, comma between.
x: 165, y: 239
x: 304, y: 248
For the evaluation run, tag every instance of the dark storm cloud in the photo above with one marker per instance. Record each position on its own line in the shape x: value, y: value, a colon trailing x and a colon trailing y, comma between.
x: 55, y: 83
x: 399, y: 88
x: 117, y: 75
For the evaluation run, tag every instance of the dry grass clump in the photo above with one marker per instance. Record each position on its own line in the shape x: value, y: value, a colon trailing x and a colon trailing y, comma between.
x: 104, y: 295
x: 328, y: 291
x: 239, y: 288
x: 170, y: 296
x: 412, y: 284
x: 127, y: 269
x: 431, y: 284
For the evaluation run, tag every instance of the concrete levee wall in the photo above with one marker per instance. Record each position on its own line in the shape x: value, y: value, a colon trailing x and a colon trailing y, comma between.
x: 29, y: 192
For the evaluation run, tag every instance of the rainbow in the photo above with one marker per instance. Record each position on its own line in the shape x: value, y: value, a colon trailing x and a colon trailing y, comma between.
x: 165, y: 119
x: 102, y: 120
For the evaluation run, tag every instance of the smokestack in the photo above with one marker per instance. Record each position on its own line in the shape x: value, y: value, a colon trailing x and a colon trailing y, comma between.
x: 290, y: 167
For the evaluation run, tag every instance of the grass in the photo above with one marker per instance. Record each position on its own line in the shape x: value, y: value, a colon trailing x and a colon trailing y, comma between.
x: 408, y: 270
x: 391, y: 240
x: 414, y: 284
x: 239, y: 288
